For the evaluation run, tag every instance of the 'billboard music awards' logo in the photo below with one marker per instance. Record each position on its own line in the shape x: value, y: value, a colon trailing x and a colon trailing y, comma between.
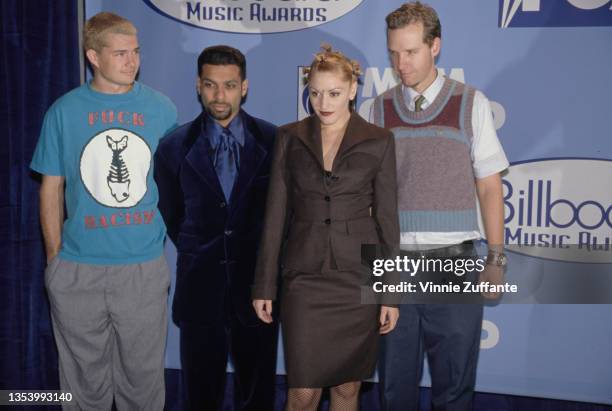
x: 378, y: 80
x: 554, y: 13
x: 254, y: 16
x: 552, y: 212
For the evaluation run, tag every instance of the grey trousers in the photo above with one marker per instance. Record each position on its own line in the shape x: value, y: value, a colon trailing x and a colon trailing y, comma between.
x: 110, y: 324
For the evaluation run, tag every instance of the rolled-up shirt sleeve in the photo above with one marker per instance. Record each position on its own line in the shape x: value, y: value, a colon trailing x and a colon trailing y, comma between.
x: 488, y: 155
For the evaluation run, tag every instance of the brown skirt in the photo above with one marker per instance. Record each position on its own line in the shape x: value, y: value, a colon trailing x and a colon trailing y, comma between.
x: 329, y: 336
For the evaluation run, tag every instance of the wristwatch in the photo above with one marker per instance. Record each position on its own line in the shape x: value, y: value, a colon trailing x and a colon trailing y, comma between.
x: 498, y: 259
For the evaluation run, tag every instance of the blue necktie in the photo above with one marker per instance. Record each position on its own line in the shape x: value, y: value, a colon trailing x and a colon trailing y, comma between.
x: 226, y: 162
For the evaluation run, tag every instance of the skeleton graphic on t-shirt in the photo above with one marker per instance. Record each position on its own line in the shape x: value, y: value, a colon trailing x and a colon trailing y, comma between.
x: 114, y: 167
x: 118, y: 176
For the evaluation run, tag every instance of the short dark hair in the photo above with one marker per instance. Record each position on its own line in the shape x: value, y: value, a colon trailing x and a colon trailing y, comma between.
x: 222, y: 55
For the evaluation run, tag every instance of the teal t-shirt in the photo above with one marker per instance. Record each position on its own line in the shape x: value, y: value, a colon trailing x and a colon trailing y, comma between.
x: 103, y: 144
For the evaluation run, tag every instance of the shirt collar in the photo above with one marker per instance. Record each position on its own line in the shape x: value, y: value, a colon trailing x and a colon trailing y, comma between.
x: 430, y: 92
x: 214, y: 130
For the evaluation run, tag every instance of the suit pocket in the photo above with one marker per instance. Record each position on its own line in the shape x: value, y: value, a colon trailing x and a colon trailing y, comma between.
x: 364, y: 230
x: 305, y: 249
x: 348, y: 246
x: 262, y: 178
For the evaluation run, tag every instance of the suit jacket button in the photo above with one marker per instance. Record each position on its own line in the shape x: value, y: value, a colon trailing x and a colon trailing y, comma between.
x: 327, y: 221
x: 327, y: 198
x: 222, y: 204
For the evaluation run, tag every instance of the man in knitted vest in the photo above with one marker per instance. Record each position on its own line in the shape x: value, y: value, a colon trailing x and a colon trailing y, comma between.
x: 448, y: 155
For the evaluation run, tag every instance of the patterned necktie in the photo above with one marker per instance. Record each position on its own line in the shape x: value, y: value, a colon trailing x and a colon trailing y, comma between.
x: 226, y: 162
x: 418, y: 103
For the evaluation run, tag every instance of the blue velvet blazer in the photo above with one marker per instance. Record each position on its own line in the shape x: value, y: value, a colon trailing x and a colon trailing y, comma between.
x: 216, y: 242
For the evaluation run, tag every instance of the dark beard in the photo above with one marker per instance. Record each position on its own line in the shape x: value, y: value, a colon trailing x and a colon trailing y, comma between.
x: 218, y: 117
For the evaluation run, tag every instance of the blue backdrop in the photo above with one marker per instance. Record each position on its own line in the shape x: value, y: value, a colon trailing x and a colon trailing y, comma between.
x: 544, y: 64
x: 39, y: 61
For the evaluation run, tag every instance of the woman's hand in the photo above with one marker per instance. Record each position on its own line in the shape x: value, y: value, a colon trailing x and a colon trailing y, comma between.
x: 388, y: 318
x: 263, y: 308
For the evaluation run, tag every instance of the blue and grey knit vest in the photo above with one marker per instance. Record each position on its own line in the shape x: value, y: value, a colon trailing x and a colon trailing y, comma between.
x: 436, y: 185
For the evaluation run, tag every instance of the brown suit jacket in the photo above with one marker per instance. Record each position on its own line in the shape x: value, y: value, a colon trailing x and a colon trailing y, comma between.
x: 355, y: 203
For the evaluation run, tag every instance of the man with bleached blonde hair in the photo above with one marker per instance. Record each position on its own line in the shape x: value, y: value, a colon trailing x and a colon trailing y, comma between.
x: 106, y: 276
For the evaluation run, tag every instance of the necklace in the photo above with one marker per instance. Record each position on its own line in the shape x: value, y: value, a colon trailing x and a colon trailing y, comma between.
x: 331, y: 143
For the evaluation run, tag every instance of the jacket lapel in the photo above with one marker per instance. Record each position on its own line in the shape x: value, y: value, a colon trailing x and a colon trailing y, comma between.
x: 355, y: 133
x: 198, y: 156
x: 309, y: 133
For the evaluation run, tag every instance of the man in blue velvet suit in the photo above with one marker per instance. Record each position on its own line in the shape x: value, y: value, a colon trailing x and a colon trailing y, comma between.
x: 212, y: 175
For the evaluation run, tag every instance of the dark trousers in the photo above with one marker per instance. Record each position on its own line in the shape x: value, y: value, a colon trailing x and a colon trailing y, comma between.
x: 450, y: 336
x: 204, y: 352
